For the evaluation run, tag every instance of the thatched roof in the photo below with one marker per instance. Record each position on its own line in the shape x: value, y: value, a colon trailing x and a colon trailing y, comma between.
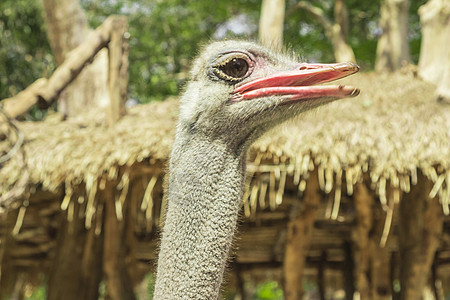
x: 390, y: 131
x: 393, y: 130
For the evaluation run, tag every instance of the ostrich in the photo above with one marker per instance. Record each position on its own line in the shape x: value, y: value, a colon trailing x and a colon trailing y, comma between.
x: 238, y: 90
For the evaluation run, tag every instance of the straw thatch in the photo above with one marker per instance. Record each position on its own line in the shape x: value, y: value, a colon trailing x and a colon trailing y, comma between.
x: 392, y: 131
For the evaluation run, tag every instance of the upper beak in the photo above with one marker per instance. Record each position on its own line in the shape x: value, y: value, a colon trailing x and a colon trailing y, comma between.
x: 300, y: 83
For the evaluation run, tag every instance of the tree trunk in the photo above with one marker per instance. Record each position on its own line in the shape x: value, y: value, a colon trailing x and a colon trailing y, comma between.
x: 341, y: 17
x: 299, y: 232
x: 336, y: 32
x: 420, y: 225
x: 271, y: 23
x: 393, y: 47
x: 66, y: 29
x: 342, y: 50
x: 434, y: 56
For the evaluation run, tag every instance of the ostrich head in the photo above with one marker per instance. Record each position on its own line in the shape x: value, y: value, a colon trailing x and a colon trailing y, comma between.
x: 238, y: 90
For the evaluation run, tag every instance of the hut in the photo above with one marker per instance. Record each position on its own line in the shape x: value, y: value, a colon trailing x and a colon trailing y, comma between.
x: 360, y: 187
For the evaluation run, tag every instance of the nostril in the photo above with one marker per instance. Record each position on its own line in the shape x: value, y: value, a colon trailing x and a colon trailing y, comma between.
x: 303, y: 68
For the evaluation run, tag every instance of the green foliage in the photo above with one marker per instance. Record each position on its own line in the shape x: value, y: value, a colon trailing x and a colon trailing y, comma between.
x: 268, y: 291
x: 150, y: 279
x: 305, y: 34
x: 24, y: 51
x: 39, y: 294
x: 414, y: 34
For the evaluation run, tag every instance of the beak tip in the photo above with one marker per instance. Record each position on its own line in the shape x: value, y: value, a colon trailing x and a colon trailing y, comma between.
x: 354, y: 67
x: 355, y: 92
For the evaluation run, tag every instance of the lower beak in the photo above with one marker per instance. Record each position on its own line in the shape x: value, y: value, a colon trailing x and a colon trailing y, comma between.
x: 300, y: 83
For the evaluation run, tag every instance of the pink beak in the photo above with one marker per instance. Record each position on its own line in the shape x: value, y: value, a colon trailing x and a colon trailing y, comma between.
x: 300, y: 83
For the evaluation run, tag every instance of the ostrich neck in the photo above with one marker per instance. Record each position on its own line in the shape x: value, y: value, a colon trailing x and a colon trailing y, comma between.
x: 204, y: 194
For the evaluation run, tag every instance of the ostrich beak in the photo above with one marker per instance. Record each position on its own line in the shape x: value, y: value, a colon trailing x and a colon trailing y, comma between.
x: 300, y: 83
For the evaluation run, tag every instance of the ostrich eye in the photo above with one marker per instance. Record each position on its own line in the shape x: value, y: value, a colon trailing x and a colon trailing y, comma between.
x: 233, y: 69
x: 236, y: 68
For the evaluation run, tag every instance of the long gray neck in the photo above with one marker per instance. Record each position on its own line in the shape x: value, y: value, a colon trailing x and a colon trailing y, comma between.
x: 204, y: 193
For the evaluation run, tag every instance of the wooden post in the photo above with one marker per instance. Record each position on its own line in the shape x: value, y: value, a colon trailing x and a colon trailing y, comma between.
x: 380, y: 255
x: 348, y: 271
x: 321, y: 275
x: 394, y: 275
x: 92, y: 264
x: 299, y: 232
x: 436, y: 284
x: 363, y: 202
x: 118, y: 281
x: 132, y: 206
x: 240, y: 287
x: 420, y: 225
x: 380, y: 286
x: 65, y: 279
x: 118, y: 70
x: 372, y: 262
x: 77, y: 265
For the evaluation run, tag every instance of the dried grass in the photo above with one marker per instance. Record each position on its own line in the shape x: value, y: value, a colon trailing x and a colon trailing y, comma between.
x: 393, y: 129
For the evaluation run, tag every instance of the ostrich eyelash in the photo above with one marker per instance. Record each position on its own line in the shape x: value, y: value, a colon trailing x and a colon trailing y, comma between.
x: 229, y: 58
x: 224, y: 76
